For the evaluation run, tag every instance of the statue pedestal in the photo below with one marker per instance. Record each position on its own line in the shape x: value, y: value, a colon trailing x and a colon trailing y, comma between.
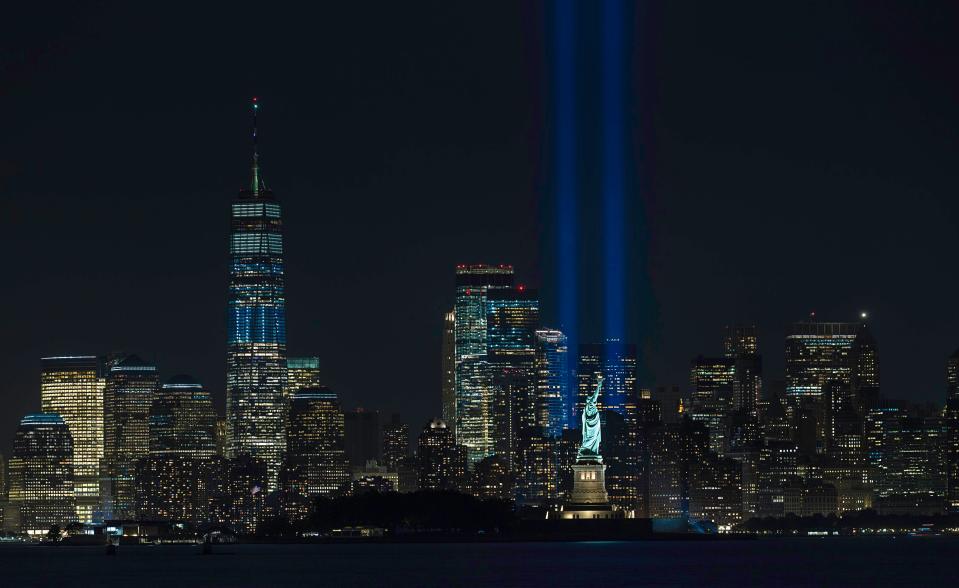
x: 588, y: 499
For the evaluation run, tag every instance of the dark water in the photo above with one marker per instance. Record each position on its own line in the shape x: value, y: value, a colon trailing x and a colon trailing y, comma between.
x: 833, y: 561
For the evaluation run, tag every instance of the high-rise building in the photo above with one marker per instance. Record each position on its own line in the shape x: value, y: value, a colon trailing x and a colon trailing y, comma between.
x: 711, y: 402
x: 72, y: 387
x: 474, y: 391
x: 951, y: 424
x: 236, y: 492
x: 741, y: 340
x: 817, y: 353
x: 302, y: 373
x: 742, y: 345
x: 440, y: 461
x: 448, y: 366
x: 553, y: 400
x: 41, y: 475
x: 182, y: 420
x: 396, y: 443
x: 361, y: 436
x: 511, y: 320
x: 617, y: 362
x: 905, y: 453
x: 131, y: 385
x: 256, y: 354
x: 172, y: 482
x: 316, y: 460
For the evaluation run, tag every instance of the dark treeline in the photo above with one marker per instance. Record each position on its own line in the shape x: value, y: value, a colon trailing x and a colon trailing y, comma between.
x: 422, y: 511
x: 866, y: 519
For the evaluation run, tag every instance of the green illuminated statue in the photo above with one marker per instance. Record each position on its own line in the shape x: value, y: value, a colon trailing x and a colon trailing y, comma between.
x: 592, y: 435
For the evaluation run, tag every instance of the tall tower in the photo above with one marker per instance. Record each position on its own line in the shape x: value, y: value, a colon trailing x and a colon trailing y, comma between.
x: 256, y: 354
x: 131, y: 386
x: 316, y: 460
x: 72, y: 387
x: 449, y: 367
x: 512, y: 316
x: 474, y: 394
x: 41, y: 475
x: 553, y: 402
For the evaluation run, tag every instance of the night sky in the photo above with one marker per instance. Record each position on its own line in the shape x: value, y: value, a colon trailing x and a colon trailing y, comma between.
x: 781, y: 160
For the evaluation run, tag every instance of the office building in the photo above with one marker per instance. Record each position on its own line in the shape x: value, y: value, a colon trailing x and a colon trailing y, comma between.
x: 317, y: 464
x: 473, y: 425
x: 712, y: 380
x: 256, y: 338
x: 72, y: 387
x: 172, y: 482
x: 511, y: 322
x: 951, y: 425
x: 440, y: 461
x: 362, y: 436
x: 182, y: 420
x: 553, y: 403
x: 41, y: 492
x: 302, y: 373
x: 396, y: 443
x: 817, y: 353
x: 131, y: 385
x: 448, y: 367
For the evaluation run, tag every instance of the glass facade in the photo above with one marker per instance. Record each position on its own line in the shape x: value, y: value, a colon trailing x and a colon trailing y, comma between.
x: 449, y: 367
x: 316, y: 457
x: 131, y: 386
x: 553, y: 403
x: 41, y: 490
x: 302, y: 373
x: 256, y: 356
x: 512, y: 316
x: 817, y: 353
x: 182, y: 420
x: 712, y: 380
x: 473, y: 426
x: 72, y: 387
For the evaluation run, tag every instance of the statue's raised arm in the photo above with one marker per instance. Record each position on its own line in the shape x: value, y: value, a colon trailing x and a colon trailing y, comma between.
x: 599, y: 388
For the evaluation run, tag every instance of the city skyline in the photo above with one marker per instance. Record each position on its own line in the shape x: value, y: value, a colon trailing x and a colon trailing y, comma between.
x: 172, y: 314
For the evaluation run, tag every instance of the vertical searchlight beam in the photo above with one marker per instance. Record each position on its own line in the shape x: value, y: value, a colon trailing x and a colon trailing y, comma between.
x: 613, y: 182
x: 565, y: 178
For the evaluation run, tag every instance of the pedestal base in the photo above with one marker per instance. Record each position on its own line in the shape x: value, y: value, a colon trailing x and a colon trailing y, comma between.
x: 589, y: 499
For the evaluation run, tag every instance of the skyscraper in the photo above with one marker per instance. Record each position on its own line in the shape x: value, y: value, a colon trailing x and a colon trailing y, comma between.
x: 131, y: 386
x: 512, y: 316
x: 712, y: 380
x: 396, y: 443
x: 172, y: 482
x: 553, y: 401
x: 951, y: 423
x: 182, y: 420
x: 256, y: 356
x: 440, y: 461
x: 474, y: 393
x: 41, y: 475
x: 817, y: 353
x: 302, y: 373
x: 449, y: 367
x: 72, y: 387
x: 316, y: 460
x: 361, y: 436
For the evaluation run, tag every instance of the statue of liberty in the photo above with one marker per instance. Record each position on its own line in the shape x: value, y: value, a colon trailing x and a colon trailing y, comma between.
x: 592, y: 435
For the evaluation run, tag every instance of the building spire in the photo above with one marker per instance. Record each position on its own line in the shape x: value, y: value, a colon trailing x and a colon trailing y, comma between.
x: 257, y: 182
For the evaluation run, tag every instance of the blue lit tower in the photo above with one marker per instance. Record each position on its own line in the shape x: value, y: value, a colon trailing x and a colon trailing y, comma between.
x: 256, y: 356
